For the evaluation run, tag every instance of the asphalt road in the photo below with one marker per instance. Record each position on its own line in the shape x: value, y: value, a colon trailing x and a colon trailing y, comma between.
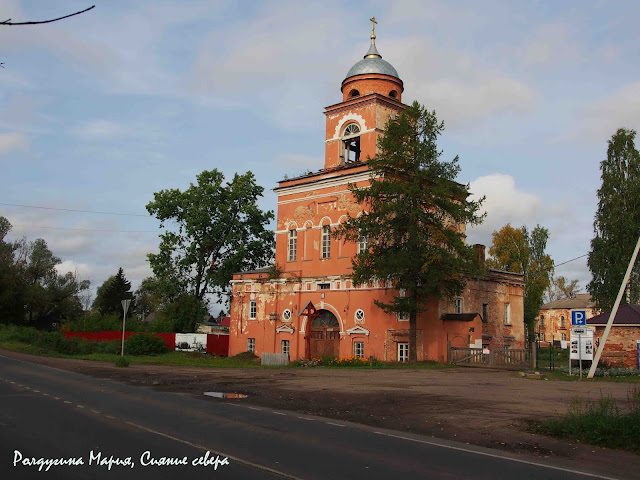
x: 50, y: 414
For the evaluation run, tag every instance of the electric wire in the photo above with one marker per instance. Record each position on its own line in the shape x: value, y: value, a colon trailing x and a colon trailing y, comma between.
x: 75, y: 210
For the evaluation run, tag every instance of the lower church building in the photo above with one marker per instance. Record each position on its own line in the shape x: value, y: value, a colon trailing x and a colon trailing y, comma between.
x: 306, y: 306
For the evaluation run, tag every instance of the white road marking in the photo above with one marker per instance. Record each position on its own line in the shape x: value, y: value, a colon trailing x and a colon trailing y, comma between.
x: 307, y: 418
x: 335, y: 424
x: 37, y: 391
x: 279, y: 413
x: 254, y: 408
x: 79, y: 406
x: 493, y: 455
x: 95, y: 411
x: 109, y: 416
x: 67, y: 401
x: 57, y: 398
x: 216, y: 452
x: 46, y: 394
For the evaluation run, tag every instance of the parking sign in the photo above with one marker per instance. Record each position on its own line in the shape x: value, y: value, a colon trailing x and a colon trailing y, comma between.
x: 578, y: 317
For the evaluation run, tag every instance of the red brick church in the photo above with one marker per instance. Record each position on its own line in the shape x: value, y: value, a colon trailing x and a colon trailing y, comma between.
x: 307, y: 306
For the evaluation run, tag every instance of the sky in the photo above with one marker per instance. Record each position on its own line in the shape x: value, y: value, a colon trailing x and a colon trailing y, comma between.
x: 101, y: 110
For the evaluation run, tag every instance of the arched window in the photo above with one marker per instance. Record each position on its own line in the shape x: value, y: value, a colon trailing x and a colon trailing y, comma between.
x: 326, y: 241
x: 393, y: 94
x: 293, y: 245
x: 351, y: 143
x: 354, y: 93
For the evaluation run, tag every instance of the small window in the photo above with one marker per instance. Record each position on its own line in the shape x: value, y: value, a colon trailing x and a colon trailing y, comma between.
x: 485, y: 312
x: 563, y: 336
x: 562, y: 322
x: 286, y: 315
x: 351, y: 143
x: 251, y: 345
x: 284, y: 347
x: 457, y: 305
x: 541, y: 336
x: 293, y: 245
x: 403, y: 352
x: 253, y: 310
x: 359, y: 315
x: 363, y: 243
x: 358, y: 349
x: 541, y: 321
x: 354, y: 93
x: 507, y: 314
x: 393, y: 94
x: 403, y: 316
x: 324, y: 286
x: 326, y: 241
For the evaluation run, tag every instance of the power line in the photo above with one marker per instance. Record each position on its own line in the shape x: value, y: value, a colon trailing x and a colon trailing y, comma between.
x: 557, y: 265
x: 87, y: 229
x: 74, y: 210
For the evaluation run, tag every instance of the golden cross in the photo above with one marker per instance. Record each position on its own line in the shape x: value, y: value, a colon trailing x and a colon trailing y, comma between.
x: 373, y: 27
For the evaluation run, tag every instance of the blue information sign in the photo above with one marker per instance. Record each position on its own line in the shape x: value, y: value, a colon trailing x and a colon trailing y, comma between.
x: 578, y: 317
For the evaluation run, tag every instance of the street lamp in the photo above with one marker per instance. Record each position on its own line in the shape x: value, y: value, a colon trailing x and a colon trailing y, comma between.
x: 125, y: 307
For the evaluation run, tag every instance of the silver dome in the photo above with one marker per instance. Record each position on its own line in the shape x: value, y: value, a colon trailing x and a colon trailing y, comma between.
x: 372, y: 65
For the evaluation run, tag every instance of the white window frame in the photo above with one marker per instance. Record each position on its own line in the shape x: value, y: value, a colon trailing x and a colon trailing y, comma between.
x: 326, y: 241
x: 251, y: 345
x: 563, y: 322
x: 541, y: 336
x: 507, y: 313
x: 363, y: 243
x: 563, y: 336
x: 457, y: 305
x: 403, y: 351
x: 253, y: 310
x: 285, y: 347
x: 358, y: 349
x: 293, y: 245
x: 402, y: 316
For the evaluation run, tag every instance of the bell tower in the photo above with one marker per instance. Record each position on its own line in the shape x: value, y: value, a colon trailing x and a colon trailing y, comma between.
x: 371, y: 92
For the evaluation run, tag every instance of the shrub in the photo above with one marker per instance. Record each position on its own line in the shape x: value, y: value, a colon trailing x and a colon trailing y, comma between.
x: 122, y: 362
x: 144, y: 344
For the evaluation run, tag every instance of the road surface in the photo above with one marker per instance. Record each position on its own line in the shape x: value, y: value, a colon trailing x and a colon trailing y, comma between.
x: 104, y: 429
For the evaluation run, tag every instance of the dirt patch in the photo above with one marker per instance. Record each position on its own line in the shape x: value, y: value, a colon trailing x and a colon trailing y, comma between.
x: 481, y: 407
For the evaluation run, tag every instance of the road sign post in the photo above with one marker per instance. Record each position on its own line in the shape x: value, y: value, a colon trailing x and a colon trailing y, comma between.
x: 125, y: 307
x: 578, y: 317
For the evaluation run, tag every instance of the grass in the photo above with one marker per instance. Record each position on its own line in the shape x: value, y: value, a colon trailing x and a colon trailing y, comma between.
x: 600, y: 423
x: 564, y: 377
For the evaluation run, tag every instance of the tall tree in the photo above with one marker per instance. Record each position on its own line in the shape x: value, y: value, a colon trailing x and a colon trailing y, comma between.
x: 617, y: 223
x: 220, y: 230
x: 517, y: 250
x: 31, y: 289
x: 110, y: 294
x: 562, y: 287
x: 412, y: 213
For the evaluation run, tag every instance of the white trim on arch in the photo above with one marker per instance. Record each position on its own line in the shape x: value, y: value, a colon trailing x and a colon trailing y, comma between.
x: 324, y: 306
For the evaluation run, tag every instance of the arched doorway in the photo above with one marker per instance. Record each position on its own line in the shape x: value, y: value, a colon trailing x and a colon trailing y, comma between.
x: 325, y: 335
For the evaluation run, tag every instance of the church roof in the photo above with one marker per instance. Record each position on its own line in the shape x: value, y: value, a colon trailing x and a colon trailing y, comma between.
x: 372, y: 65
x: 580, y: 300
x: 372, y: 62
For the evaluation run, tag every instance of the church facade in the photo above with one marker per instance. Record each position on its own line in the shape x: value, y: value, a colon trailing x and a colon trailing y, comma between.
x: 307, y: 306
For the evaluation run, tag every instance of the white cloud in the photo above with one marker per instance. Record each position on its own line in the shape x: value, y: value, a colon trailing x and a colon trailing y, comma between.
x: 504, y: 203
x: 13, y: 142
x: 620, y: 109
x: 98, y: 129
x: 83, y: 270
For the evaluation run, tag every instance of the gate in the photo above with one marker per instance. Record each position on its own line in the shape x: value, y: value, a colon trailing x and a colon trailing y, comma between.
x: 324, y: 338
x: 508, y: 357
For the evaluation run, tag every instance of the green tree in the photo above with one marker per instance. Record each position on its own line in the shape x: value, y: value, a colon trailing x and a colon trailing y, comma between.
x: 617, y: 223
x: 31, y: 289
x: 110, y: 294
x: 219, y: 230
x: 412, y: 213
x: 148, y: 297
x: 562, y: 287
x: 515, y: 250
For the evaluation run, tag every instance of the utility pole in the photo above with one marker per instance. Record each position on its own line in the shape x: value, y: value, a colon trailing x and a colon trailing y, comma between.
x: 623, y: 287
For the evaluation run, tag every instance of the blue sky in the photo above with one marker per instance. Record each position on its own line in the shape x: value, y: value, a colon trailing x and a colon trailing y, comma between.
x: 101, y: 110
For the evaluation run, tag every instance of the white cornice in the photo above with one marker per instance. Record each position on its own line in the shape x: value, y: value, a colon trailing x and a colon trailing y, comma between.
x: 343, y: 179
